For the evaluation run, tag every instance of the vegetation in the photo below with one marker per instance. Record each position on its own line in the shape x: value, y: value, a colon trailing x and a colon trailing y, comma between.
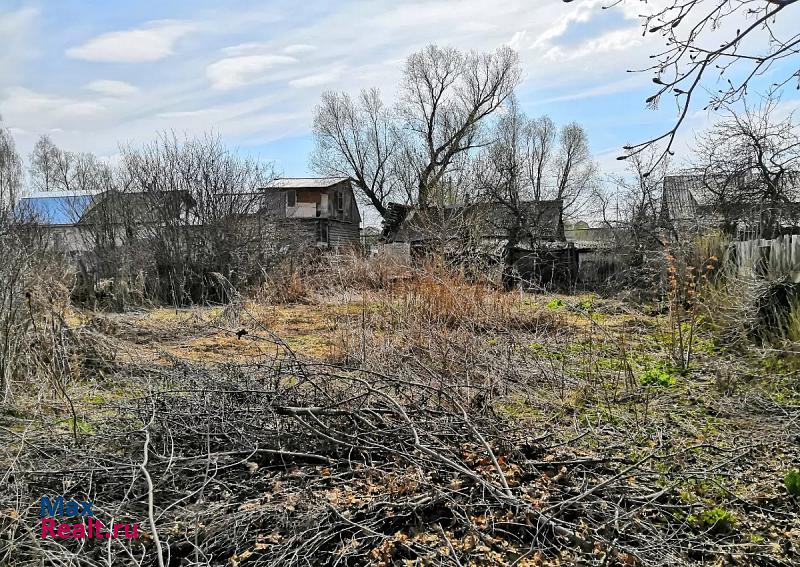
x: 389, y: 414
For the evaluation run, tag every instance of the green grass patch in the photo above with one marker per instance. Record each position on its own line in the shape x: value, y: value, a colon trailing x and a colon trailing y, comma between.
x: 657, y: 377
x: 792, y: 482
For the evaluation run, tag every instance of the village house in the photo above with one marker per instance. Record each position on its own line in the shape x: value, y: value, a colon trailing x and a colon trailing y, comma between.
x: 693, y: 203
x: 314, y: 210
x: 301, y: 212
x: 75, y: 222
x: 530, y: 237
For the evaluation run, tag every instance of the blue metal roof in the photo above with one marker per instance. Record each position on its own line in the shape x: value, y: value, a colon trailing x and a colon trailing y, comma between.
x: 55, y: 209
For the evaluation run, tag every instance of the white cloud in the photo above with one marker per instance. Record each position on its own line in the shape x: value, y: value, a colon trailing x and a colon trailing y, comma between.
x: 516, y: 40
x: 235, y: 72
x: 22, y: 100
x: 248, y: 48
x: 298, y: 49
x: 317, y: 79
x: 111, y: 88
x: 17, y: 46
x: 580, y: 14
x: 629, y: 83
x: 150, y: 43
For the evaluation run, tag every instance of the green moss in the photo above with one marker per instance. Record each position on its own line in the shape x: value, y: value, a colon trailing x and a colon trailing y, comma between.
x: 555, y: 304
x: 80, y: 425
x: 544, y: 352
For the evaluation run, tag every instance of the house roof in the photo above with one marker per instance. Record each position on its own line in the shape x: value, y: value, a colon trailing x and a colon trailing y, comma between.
x: 114, y: 206
x: 306, y: 182
x: 405, y: 223
x: 683, y: 195
x: 55, y: 208
x: 66, y: 208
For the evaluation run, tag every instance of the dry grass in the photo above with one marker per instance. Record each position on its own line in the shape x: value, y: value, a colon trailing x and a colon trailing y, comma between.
x: 572, y: 396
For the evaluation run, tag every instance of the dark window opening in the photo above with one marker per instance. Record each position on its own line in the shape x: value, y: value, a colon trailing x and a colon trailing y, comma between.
x: 322, y: 232
x: 291, y: 198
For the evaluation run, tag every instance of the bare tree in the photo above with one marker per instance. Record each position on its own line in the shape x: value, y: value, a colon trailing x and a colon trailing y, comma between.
x: 575, y: 169
x: 750, y: 163
x: 633, y: 205
x: 358, y: 140
x: 10, y: 172
x: 721, y: 47
x: 446, y: 97
x: 44, y: 165
x: 199, y: 208
x: 501, y: 177
x: 540, y: 140
x: 79, y: 172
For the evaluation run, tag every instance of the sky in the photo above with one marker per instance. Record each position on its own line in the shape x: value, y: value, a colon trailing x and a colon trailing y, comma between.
x: 95, y: 74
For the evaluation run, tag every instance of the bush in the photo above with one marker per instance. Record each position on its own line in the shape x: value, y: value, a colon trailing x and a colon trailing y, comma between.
x: 37, y: 345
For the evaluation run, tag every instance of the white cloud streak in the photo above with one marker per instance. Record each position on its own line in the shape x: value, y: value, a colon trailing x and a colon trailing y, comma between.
x: 153, y: 42
x: 234, y: 72
x: 111, y: 88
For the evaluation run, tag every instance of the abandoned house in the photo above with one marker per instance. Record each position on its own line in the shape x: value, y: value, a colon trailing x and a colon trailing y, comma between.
x: 538, y: 251
x: 315, y: 210
x: 295, y: 212
x: 74, y: 222
x: 693, y: 204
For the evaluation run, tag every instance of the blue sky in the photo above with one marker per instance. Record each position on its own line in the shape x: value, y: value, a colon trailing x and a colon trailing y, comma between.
x: 95, y: 74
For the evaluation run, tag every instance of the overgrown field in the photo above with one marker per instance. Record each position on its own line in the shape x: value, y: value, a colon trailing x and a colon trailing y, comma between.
x: 417, y: 420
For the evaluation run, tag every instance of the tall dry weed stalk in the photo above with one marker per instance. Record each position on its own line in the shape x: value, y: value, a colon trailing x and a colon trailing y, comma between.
x: 686, y: 285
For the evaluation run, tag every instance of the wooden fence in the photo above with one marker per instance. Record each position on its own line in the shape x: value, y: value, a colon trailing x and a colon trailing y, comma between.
x: 771, y: 259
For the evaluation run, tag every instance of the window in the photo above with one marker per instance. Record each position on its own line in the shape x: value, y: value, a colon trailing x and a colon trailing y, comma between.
x: 291, y: 198
x: 338, y: 199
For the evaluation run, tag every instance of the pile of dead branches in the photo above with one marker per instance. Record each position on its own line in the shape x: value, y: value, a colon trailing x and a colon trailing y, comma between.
x: 284, y: 462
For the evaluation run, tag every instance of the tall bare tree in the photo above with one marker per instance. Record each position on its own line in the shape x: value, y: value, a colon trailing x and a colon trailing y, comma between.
x: 528, y: 161
x: 44, y: 165
x: 10, y: 172
x: 358, y: 140
x: 540, y: 141
x: 501, y: 173
x: 575, y: 170
x: 446, y: 98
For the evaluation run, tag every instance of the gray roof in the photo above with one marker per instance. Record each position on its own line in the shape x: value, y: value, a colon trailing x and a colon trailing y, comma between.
x: 683, y: 196
x: 306, y: 182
